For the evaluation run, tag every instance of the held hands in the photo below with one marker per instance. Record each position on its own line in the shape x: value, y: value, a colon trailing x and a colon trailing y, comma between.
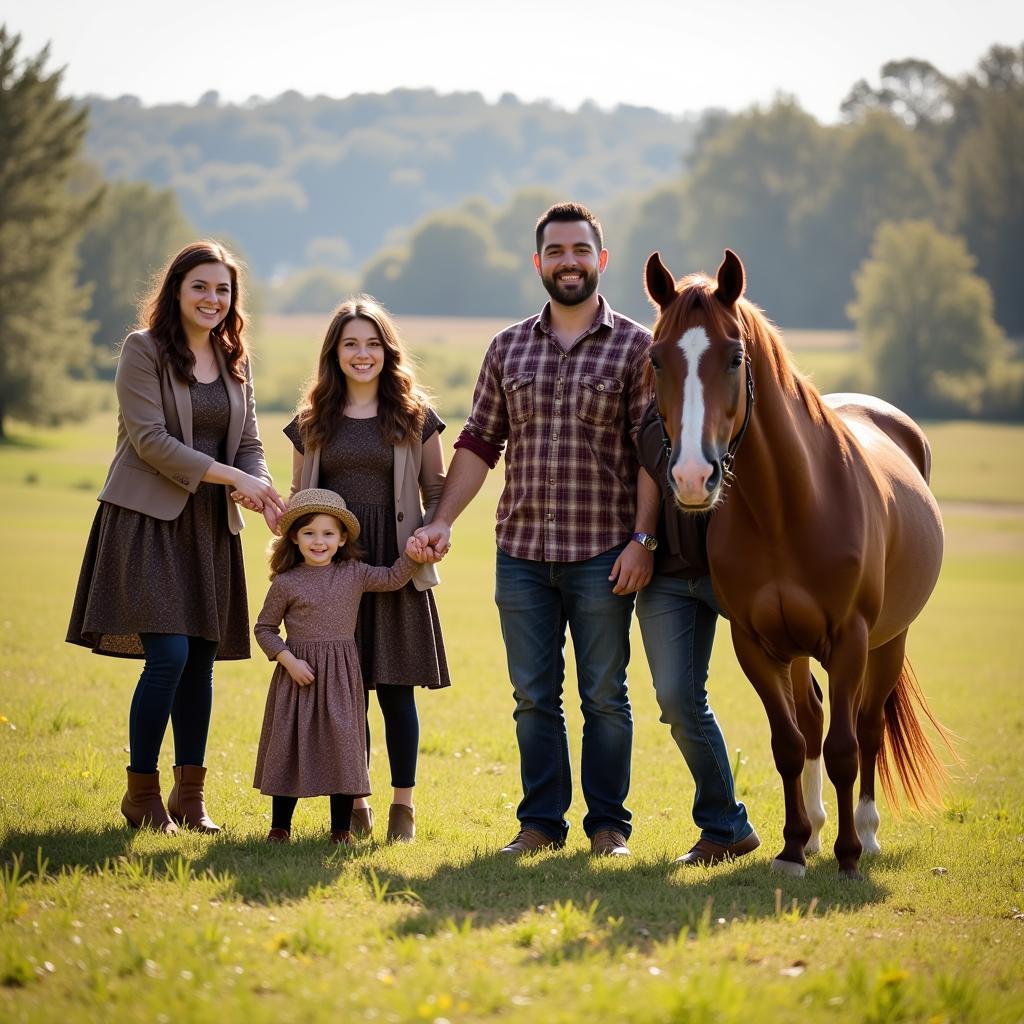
x: 258, y: 496
x: 298, y: 669
x: 435, y: 540
x: 632, y: 570
x: 417, y: 550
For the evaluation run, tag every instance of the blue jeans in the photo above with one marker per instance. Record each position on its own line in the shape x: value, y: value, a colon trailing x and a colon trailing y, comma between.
x: 176, y: 684
x: 536, y: 600
x: 677, y: 623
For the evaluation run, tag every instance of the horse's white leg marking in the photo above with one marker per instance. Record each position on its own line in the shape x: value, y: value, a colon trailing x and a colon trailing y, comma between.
x: 692, y: 470
x: 810, y: 781
x: 866, y: 819
x: 788, y: 867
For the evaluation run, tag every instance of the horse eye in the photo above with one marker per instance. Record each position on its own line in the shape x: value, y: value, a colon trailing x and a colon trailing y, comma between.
x: 736, y: 362
x: 654, y: 362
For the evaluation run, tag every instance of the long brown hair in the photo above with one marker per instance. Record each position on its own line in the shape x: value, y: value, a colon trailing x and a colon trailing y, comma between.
x: 160, y: 312
x: 401, y: 403
x: 285, y: 554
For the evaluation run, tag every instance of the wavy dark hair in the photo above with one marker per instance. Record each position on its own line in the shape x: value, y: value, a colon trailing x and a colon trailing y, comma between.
x: 401, y: 403
x: 285, y: 554
x: 160, y: 313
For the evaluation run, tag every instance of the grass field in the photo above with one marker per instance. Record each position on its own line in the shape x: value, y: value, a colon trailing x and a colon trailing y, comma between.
x: 100, y: 923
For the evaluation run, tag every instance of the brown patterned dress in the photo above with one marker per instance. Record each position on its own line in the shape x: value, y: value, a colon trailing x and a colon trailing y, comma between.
x: 398, y: 634
x: 313, y: 741
x: 146, y: 575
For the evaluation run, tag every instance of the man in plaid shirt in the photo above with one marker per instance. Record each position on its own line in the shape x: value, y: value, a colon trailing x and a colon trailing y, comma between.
x: 563, y: 390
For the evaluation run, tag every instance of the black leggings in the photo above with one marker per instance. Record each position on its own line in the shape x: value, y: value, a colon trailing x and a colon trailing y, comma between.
x: 341, y: 812
x: 401, y: 731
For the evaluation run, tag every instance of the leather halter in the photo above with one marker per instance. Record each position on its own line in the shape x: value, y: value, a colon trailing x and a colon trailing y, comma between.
x: 730, y: 455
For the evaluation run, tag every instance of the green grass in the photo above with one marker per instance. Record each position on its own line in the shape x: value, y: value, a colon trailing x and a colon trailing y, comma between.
x: 100, y: 923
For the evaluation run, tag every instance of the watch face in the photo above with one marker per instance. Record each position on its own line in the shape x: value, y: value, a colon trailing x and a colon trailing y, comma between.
x: 647, y: 540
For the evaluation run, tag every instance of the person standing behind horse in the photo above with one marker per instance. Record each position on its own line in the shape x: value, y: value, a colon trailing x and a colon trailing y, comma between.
x: 564, y: 389
x: 366, y: 431
x: 162, y: 576
x: 678, y: 612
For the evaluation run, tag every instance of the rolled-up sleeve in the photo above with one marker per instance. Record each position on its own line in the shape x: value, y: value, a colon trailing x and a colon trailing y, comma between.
x: 486, y: 430
x: 137, y: 382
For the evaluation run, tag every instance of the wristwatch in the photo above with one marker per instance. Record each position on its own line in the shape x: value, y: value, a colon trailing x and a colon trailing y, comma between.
x: 648, y: 540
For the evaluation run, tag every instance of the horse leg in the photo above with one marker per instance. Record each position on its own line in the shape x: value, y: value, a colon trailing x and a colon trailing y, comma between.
x: 883, y: 672
x: 810, y: 717
x: 771, y: 682
x: 845, y: 681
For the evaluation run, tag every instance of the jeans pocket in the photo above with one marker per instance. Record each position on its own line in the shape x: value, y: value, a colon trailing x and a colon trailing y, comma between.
x: 599, y: 399
x: 518, y: 390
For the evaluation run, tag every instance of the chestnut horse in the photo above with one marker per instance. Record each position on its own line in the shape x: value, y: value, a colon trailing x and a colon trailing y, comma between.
x: 827, y: 547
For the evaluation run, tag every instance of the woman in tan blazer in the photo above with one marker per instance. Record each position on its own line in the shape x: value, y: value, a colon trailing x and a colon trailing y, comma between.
x: 366, y: 431
x: 162, y: 578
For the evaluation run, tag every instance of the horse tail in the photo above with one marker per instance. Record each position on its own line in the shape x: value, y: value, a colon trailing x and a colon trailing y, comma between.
x: 920, y: 772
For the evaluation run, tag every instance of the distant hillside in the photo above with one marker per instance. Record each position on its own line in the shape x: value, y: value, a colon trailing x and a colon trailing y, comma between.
x: 297, y: 181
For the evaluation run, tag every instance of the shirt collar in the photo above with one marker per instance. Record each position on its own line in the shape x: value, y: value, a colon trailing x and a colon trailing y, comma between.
x: 603, y: 318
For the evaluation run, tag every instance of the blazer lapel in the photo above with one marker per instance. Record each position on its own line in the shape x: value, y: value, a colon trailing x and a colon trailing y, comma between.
x: 182, y: 404
x: 236, y: 405
x: 401, y: 457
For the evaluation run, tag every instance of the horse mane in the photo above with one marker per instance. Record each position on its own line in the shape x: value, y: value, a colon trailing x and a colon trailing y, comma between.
x: 696, y: 300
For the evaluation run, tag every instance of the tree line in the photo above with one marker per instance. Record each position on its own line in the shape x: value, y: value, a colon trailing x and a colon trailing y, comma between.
x: 919, y: 160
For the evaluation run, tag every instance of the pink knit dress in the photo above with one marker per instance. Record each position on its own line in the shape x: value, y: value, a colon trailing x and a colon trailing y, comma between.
x: 313, y: 741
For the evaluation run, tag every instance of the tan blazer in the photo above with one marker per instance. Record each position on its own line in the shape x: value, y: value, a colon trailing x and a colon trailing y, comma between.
x: 411, y: 479
x: 155, y: 467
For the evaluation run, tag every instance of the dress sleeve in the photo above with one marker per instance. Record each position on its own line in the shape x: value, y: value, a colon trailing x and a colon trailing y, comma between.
x: 383, y: 577
x: 291, y: 431
x: 268, y: 625
x: 432, y: 422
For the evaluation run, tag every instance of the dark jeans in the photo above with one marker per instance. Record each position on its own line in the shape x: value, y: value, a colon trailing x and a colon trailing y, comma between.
x: 401, y: 731
x: 176, y: 683
x: 677, y: 622
x: 536, y: 601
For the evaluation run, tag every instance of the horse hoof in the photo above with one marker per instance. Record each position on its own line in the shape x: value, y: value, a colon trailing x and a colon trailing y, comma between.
x: 871, y: 848
x: 852, y: 874
x: 813, y: 845
x: 789, y: 867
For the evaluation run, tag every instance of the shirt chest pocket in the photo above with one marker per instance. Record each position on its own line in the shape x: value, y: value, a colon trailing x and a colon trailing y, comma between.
x: 518, y: 390
x: 598, y: 399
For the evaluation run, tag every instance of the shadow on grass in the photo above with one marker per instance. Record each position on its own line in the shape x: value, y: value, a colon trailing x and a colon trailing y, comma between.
x: 651, y: 901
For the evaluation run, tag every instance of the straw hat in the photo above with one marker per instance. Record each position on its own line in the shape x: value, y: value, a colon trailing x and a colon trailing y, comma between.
x: 317, y: 500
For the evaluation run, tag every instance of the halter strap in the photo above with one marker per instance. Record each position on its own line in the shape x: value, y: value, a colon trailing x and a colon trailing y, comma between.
x: 730, y: 455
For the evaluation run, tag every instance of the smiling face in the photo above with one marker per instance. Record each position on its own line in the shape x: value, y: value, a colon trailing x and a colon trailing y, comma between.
x: 204, y: 297
x: 569, y: 261
x: 318, y: 540
x: 360, y: 351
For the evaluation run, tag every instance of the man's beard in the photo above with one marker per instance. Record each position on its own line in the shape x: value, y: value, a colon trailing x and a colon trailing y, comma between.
x: 572, y: 297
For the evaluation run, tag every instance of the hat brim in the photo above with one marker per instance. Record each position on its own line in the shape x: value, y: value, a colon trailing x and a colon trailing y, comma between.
x: 344, y: 516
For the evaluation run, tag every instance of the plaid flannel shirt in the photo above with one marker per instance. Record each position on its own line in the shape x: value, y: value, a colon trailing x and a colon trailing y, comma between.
x: 570, y: 420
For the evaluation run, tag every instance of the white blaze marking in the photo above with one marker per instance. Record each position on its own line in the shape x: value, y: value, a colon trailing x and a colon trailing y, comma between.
x: 866, y: 819
x: 810, y: 782
x: 694, y: 343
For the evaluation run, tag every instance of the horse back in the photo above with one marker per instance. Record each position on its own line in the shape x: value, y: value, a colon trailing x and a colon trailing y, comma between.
x: 892, y: 422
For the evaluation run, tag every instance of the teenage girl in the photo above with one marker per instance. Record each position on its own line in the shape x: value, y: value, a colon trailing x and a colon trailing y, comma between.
x: 366, y: 430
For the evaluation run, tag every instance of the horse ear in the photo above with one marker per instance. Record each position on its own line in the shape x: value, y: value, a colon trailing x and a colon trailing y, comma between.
x: 731, y: 280
x: 661, y: 285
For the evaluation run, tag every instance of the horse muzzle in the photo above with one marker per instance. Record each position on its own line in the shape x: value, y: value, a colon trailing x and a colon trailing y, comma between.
x: 696, y: 486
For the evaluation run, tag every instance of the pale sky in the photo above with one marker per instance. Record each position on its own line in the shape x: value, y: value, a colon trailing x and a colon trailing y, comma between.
x: 675, y: 55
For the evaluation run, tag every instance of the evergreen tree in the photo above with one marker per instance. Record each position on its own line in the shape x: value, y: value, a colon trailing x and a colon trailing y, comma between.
x: 43, y: 333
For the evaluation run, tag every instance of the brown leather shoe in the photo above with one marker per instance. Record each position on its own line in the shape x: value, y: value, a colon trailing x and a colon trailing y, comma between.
x: 342, y: 839
x: 185, y: 802
x: 142, y: 806
x: 401, y: 824
x: 362, y: 822
x: 608, y: 842
x: 530, y: 840
x: 279, y: 835
x: 706, y: 852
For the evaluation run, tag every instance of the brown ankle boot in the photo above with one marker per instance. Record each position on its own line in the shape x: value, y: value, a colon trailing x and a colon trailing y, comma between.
x: 185, y: 801
x: 142, y: 806
x: 401, y: 824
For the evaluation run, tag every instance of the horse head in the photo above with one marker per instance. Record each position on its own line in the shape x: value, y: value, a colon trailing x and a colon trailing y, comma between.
x: 701, y: 376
